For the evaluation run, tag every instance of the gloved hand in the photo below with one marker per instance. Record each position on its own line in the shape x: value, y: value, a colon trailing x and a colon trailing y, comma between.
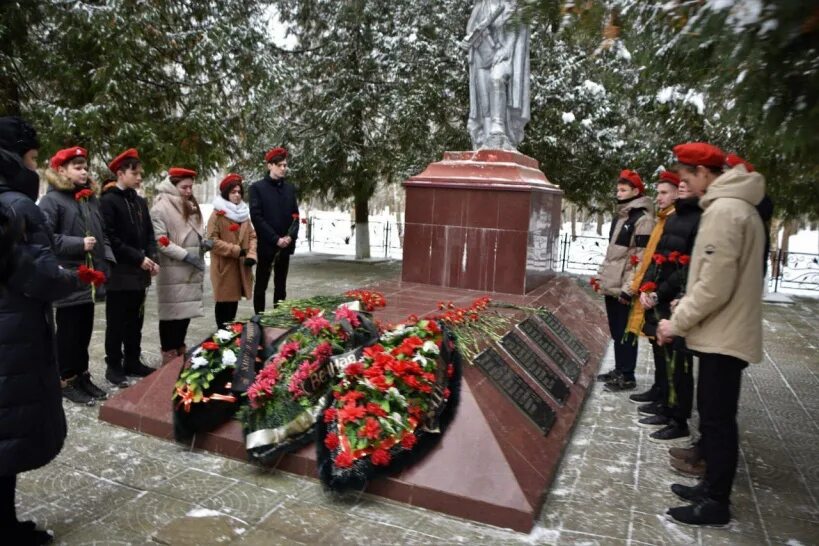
x: 195, y: 261
x: 250, y: 262
x: 206, y: 245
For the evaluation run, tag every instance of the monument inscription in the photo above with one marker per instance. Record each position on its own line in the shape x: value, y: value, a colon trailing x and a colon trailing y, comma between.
x: 535, y: 366
x: 535, y: 332
x: 516, y: 389
x: 559, y: 329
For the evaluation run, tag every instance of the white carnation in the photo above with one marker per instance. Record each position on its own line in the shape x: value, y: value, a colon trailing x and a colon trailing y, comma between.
x: 430, y: 347
x: 228, y: 357
x: 223, y: 335
x: 198, y: 362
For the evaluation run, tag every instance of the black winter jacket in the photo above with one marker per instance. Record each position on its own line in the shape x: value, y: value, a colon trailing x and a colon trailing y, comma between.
x: 272, y: 206
x: 130, y: 233
x: 70, y: 221
x: 32, y: 422
x: 679, y: 233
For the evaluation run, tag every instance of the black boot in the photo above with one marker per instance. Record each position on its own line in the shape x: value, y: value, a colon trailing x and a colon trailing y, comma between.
x: 25, y: 533
x: 695, y: 493
x: 608, y: 376
x: 115, y: 374
x: 84, y: 382
x: 651, y: 395
x: 706, y: 513
x: 72, y: 390
x: 137, y: 368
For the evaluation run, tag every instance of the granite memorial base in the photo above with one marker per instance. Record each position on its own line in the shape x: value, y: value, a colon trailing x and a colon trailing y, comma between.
x: 519, y: 403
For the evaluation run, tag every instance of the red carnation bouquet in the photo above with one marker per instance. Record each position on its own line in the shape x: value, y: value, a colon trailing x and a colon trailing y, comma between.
x: 390, y: 407
x: 286, y: 396
x: 87, y: 274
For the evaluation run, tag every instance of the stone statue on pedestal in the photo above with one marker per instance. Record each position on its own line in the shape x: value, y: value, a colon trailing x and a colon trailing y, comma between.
x: 498, y: 53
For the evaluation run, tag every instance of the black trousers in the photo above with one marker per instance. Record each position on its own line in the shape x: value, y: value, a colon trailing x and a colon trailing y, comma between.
x: 625, y: 351
x: 279, y: 269
x: 8, y: 513
x: 683, y: 385
x: 225, y: 312
x: 661, y: 355
x: 124, y: 315
x: 717, y: 400
x: 172, y: 333
x: 75, y: 324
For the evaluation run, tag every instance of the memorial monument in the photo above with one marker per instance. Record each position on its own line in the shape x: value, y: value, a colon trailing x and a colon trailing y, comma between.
x: 494, y: 218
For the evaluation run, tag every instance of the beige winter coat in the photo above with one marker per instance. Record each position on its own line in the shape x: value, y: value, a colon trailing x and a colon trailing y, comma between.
x: 721, y: 311
x: 179, y: 284
x: 232, y: 280
x: 629, y: 235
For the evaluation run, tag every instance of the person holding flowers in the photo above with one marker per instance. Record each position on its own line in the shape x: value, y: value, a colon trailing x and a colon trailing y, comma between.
x: 629, y: 235
x: 72, y: 211
x: 720, y: 317
x: 179, y: 229
x: 131, y: 234
x: 234, y: 249
x: 275, y: 215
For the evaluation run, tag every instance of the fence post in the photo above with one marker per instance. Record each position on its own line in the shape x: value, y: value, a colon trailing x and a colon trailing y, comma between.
x: 566, y: 243
x: 778, y: 269
x: 387, y: 239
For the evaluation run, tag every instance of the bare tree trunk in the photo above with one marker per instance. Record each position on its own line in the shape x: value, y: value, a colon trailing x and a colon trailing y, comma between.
x: 600, y: 222
x: 776, y: 225
x: 362, y: 226
x: 573, y: 214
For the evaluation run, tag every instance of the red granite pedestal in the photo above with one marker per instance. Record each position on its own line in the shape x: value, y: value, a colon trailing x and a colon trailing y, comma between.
x: 493, y: 465
x: 485, y: 220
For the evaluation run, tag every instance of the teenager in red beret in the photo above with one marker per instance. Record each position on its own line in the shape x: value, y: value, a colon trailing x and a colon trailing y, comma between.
x: 720, y: 317
x: 274, y: 212
x: 131, y: 234
x: 72, y: 210
x: 178, y: 226
x: 630, y: 231
x: 234, y: 249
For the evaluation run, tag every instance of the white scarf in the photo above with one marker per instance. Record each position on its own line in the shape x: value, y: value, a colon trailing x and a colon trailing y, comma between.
x: 238, y: 213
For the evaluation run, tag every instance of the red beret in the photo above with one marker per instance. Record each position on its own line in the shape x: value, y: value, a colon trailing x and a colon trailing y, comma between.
x: 63, y: 156
x: 631, y: 177
x: 732, y: 160
x: 670, y: 177
x: 181, y: 172
x: 274, y: 153
x: 229, y: 180
x: 117, y: 161
x: 699, y: 153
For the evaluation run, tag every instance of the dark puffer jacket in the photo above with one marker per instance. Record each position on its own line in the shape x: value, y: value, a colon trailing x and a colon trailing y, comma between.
x: 32, y: 422
x: 69, y: 221
x: 272, y: 206
x: 678, y: 235
x: 131, y: 236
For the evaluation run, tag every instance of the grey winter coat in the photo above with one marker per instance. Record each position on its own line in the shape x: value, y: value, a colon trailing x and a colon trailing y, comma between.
x: 628, y: 237
x: 179, y: 284
x: 71, y: 221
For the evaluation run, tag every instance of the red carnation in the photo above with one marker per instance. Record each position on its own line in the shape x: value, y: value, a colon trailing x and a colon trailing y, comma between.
x: 295, y: 216
x: 210, y: 346
x: 86, y: 274
x: 343, y: 460
x: 356, y: 368
x: 375, y: 409
x: 659, y: 259
x: 83, y: 195
x: 674, y: 256
x: 648, y: 287
x: 450, y: 370
x: 371, y: 429
x: 237, y: 327
x: 304, y: 220
x: 447, y: 394
x: 220, y: 213
x: 331, y: 441
x: 380, y: 457
x: 409, y: 440
x: 634, y: 260
x: 99, y: 278
x: 163, y: 241
x: 234, y: 227
x: 684, y: 259
x: 330, y: 414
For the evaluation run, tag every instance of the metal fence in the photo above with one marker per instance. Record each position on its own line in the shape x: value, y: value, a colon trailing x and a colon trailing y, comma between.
x: 787, y: 270
x: 337, y: 236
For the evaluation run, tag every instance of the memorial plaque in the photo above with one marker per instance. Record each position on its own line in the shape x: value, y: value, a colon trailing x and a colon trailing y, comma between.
x: 563, y: 333
x: 516, y: 389
x: 535, y: 332
x: 535, y: 366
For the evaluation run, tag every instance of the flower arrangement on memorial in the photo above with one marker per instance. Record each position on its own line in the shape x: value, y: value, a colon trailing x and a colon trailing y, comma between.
x: 202, y: 397
x: 475, y: 325
x: 389, y: 408
x: 285, y: 399
x: 286, y: 313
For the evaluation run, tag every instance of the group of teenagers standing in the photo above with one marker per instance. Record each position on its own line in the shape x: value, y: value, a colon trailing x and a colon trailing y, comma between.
x: 690, y: 279
x: 81, y: 244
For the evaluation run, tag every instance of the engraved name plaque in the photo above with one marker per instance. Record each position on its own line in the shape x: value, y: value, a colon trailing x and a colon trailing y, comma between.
x: 563, y: 333
x: 535, y: 366
x: 535, y: 332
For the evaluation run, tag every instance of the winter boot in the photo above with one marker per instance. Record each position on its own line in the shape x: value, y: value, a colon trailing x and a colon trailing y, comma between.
x: 84, y: 382
x: 74, y: 392
x: 115, y: 374
x: 137, y: 368
x: 705, y: 513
